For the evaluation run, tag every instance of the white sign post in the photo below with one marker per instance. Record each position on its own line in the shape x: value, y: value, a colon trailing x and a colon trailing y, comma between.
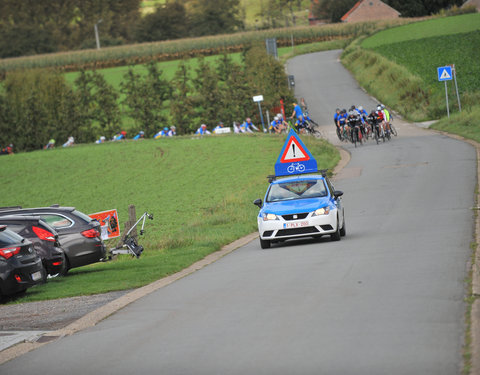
x: 258, y: 99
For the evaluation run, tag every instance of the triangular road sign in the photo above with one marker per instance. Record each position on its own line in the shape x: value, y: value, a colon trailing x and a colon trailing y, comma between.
x: 293, y: 152
x: 295, y: 157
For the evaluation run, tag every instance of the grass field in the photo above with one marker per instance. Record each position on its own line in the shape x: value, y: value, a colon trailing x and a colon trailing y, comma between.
x: 200, y: 191
x: 399, y: 67
x: 425, y: 29
x: 422, y: 47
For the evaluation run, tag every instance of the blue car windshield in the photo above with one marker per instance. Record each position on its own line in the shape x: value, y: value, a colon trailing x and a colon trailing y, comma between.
x: 298, y: 189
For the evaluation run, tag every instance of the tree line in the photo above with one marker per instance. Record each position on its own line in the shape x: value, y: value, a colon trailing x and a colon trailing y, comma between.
x: 29, y: 27
x: 38, y: 105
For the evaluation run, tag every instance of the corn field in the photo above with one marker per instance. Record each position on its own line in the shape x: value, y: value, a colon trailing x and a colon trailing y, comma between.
x: 185, y: 48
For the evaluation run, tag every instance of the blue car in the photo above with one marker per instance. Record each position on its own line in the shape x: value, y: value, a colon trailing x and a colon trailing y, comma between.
x: 299, y: 207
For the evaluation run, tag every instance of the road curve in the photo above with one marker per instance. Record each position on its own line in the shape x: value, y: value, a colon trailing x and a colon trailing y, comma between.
x: 387, y: 299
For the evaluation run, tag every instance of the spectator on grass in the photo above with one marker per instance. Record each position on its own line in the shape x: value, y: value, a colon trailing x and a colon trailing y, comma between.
x: 69, y: 142
x: 120, y: 136
x: 100, y: 140
x: 202, y: 130
x: 161, y: 133
x: 218, y: 127
x: 7, y: 150
x: 172, y: 131
x: 236, y: 128
x: 247, y: 126
x: 50, y: 144
x: 140, y: 135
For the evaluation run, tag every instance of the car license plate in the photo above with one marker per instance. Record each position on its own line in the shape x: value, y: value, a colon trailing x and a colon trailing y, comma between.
x: 36, y: 276
x: 296, y: 224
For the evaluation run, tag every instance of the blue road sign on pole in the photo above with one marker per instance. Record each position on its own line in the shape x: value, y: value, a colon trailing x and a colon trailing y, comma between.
x: 295, y: 158
x: 444, y: 73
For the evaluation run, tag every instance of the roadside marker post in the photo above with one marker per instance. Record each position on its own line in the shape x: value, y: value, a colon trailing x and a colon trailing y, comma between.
x: 456, y: 86
x: 258, y: 99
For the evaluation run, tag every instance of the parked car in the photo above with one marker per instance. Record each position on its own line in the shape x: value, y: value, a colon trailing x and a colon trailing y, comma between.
x: 43, y: 237
x: 78, y: 233
x: 299, y: 207
x: 20, y: 266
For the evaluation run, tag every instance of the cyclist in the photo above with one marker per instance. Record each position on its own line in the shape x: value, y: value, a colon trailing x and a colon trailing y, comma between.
x: 300, y: 125
x: 342, y: 123
x: 386, y: 114
x: 297, y: 111
x: 382, y: 117
x: 335, y: 116
x: 354, y: 122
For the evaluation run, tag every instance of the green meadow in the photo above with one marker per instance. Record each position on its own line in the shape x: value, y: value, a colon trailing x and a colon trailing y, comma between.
x: 199, y: 189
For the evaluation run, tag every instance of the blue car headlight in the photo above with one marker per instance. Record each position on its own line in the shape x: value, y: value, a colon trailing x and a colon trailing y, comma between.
x: 321, y: 211
x: 267, y: 217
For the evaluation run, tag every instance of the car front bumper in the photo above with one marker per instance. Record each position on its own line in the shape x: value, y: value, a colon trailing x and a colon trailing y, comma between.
x: 311, y: 226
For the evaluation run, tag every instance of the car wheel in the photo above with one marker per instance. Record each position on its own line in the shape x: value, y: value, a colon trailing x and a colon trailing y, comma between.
x: 343, y: 230
x: 264, y: 244
x: 336, y: 236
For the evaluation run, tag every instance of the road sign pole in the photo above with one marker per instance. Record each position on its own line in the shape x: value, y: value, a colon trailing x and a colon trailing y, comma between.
x: 446, y: 96
x: 456, y: 88
x: 261, y: 116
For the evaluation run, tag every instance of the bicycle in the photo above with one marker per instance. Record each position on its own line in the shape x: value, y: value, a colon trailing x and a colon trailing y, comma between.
x: 295, y: 167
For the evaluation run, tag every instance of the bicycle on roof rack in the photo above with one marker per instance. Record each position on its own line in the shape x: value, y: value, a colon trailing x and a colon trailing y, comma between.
x: 129, y: 243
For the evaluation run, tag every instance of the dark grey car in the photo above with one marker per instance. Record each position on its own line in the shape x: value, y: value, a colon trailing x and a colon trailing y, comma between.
x: 20, y: 265
x: 43, y: 237
x: 78, y: 233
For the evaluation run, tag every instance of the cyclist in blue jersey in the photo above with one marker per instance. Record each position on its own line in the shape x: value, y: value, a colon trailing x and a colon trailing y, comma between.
x: 297, y: 111
x: 300, y: 125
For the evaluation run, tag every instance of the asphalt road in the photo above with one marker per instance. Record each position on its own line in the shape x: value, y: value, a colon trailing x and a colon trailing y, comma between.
x: 386, y: 299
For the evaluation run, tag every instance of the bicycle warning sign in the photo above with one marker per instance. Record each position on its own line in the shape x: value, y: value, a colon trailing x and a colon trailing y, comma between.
x: 295, y: 158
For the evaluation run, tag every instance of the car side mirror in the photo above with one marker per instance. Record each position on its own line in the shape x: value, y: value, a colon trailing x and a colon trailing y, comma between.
x: 337, y: 193
x: 258, y: 202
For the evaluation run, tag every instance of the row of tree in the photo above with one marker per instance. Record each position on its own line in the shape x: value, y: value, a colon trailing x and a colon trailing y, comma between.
x: 334, y: 10
x: 31, y: 27
x: 36, y: 106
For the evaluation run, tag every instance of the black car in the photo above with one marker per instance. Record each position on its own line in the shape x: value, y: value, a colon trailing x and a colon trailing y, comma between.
x: 78, y: 233
x: 43, y: 237
x: 20, y: 265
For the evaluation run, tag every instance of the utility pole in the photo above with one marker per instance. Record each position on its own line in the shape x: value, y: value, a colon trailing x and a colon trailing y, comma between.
x: 97, y: 39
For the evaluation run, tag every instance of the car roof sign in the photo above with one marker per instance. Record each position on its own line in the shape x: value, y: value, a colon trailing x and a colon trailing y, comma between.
x: 295, y: 158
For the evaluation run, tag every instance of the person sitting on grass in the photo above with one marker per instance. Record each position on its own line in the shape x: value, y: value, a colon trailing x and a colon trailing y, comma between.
x: 202, y: 130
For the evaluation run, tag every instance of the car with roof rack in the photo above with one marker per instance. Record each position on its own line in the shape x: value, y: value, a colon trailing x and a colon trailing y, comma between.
x: 79, y: 234
x: 300, y: 206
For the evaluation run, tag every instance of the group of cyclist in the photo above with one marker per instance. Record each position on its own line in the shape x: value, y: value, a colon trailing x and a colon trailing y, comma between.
x: 357, y: 124
x: 303, y: 122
